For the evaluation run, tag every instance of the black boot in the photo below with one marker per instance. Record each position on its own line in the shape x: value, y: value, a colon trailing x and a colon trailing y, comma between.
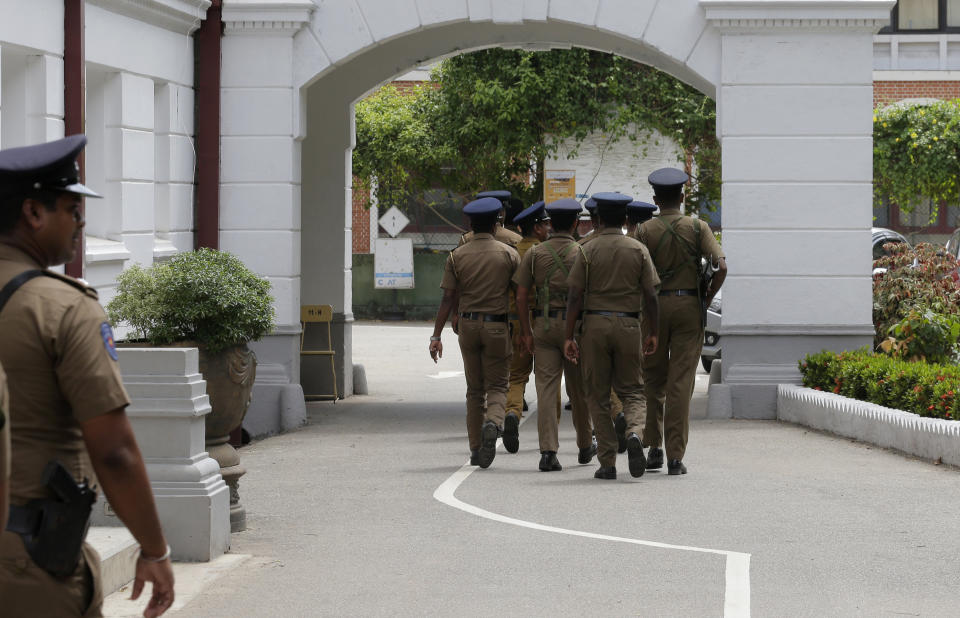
x: 511, y: 433
x: 606, y: 473
x: 474, y: 458
x: 620, y: 424
x: 488, y: 444
x: 586, y: 454
x: 675, y: 466
x: 549, y: 462
x: 638, y: 463
x: 525, y: 406
x: 654, y: 458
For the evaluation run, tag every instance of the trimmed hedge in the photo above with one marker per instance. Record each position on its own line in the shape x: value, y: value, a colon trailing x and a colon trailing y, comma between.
x: 926, y: 389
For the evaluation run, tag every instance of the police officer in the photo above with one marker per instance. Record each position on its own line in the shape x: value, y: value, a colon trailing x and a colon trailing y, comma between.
x: 4, y: 451
x: 499, y: 231
x: 543, y: 271
x: 612, y: 279
x: 676, y: 243
x: 480, y: 274
x: 66, y: 401
x: 637, y: 214
x: 591, y: 207
x: 534, y: 226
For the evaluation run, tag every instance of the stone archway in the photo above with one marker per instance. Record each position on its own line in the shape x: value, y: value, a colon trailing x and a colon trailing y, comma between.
x: 793, y: 84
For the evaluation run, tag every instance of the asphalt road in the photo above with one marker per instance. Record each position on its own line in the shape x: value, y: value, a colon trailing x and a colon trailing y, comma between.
x: 343, y: 518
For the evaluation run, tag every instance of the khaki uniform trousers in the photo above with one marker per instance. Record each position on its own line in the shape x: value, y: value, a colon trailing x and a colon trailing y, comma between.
x: 610, y: 355
x: 671, y: 372
x: 521, y: 364
x: 28, y: 590
x: 486, y: 350
x: 550, y: 366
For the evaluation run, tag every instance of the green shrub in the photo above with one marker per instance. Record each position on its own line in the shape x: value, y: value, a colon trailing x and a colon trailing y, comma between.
x: 206, y: 296
x: 924, y: 335
x: 926, y: 389
x: 917, y: 279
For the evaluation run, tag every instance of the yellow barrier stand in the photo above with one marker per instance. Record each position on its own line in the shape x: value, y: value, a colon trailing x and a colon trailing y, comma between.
x: 313, y: 315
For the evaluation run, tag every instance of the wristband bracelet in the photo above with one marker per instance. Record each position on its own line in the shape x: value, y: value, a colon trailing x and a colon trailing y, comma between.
x: 432, y: 338
x: 165, y: 556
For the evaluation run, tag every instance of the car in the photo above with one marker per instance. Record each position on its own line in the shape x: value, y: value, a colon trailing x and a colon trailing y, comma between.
x: 711, y: 333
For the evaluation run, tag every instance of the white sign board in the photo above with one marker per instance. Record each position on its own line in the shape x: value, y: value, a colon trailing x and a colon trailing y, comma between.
x: 393, y: 221
x: 393, y: 264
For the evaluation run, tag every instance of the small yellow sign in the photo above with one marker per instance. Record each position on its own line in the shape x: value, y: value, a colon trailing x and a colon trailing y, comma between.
x: 559, y: 184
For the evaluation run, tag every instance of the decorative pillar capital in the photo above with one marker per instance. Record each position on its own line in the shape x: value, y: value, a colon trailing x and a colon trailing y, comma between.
x: 283, y: 17
x: 752, y: 15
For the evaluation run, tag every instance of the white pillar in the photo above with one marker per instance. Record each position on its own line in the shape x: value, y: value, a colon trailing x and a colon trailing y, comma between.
x: 260, y: 189
x: 169, y: 402
x: 175, y: 167
x: 44, y: 99
x: 795, y: 123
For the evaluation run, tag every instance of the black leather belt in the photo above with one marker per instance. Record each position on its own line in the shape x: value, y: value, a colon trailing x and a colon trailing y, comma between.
x: 484, y: 317
x: 679, y: 293
x: 614, y: 314
x: 23, y: 520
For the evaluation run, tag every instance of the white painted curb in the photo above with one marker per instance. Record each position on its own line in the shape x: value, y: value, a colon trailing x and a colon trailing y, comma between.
x: 927, y: 438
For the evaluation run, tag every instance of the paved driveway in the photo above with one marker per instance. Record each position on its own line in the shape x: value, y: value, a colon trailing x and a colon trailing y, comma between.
x: 345, y: 517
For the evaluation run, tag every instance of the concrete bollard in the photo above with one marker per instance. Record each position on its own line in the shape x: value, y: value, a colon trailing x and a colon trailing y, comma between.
x: 168, y: 403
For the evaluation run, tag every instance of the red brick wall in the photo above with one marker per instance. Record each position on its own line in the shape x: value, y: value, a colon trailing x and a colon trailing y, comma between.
x: 885, y: 93
x: 361, y: 222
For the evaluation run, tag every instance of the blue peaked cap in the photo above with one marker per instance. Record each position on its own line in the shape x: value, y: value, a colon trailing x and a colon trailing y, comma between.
x: 668, y: 178
x: 484, y: 206
x: 503, y: 196
x: 44, y: 167
x: 565, y: 205
x: 608, y: 200
x: 535, y: 212
x: 590, y: 205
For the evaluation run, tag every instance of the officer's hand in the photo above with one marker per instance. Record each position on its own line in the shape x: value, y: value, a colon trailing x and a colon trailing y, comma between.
x: 527, y: 341
x: 571, y: 350
x: 160, y: 574
x: 436, y: 350
x: 649, y: 345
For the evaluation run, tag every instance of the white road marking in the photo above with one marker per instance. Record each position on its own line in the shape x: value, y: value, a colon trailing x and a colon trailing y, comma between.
x: 736, y: 602
x: 443, y: 375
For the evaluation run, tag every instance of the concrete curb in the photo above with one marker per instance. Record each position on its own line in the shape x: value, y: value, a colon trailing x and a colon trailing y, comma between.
x: 118, y: 552
x: 927, y: 438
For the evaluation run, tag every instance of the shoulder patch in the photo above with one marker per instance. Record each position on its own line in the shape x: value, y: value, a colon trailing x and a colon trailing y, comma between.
x: 107, y: 334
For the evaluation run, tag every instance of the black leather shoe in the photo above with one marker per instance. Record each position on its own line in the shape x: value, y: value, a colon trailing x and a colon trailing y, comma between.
x: 638, y: 463
x: 511, y: 433
x: 606, y: 472
x: 549, y: 462
x: 675, y: 466
x: 488, y: 444
x: 620, y: 424
x: 568, y: 406
x: 525, y: 406
x: 474, y: 458
x: 586, y: 454
x: 654, y: 458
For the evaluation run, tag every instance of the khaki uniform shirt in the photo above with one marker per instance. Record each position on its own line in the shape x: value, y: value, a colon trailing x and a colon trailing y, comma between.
x: 61, y: 366
x: 481, y: 272
x: 4, y: 428
x: 500, y: 233
x: 537, y: 263
x: 592, y: 236
x: 526, y: 243
x: 612, y: 271
x: 670, y: 255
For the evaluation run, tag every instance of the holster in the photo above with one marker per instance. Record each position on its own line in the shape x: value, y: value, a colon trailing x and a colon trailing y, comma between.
x: 53, y: 529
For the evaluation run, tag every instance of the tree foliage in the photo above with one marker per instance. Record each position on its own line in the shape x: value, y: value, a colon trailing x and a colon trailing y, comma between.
x: 491, y: 118
x: 915, y: 154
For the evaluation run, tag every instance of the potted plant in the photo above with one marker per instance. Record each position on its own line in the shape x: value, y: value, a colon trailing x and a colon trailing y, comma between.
x: 210, y: 300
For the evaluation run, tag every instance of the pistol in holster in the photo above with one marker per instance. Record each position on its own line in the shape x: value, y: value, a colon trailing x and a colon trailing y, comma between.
x: 53, y: 529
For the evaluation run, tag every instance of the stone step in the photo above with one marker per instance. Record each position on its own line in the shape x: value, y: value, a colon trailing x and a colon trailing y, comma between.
x: 118, y: 555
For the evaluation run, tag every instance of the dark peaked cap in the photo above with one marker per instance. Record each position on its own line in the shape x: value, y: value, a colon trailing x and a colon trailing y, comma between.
x: 535, y: 212
x: 503, y: 196
x: 607, y: 201
x: 667, y: 178
x: 485, y: 206
x: 565, y: 205
x: 641, y: 210
x: 44, y: 167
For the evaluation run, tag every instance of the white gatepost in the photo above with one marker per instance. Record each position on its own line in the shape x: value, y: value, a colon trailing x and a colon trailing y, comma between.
x: 168, y: 405
x: 794, y: 118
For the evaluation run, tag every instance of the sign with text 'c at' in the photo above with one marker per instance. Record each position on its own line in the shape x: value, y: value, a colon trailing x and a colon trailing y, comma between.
x: 559, y: 184
x: 393, y: 264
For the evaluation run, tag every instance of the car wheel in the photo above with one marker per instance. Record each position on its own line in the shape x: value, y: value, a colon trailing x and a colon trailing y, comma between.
x: 707, y: 363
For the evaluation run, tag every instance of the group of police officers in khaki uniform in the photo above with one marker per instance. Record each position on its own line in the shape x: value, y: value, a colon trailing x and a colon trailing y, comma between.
x: 618, y: 316
x: 68, y: 432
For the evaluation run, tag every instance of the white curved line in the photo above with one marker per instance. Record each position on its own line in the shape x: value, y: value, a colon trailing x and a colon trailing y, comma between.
x: 737, y: 594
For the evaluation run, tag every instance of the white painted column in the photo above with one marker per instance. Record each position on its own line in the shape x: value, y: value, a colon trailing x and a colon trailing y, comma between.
x: 129, y: 163
x: 260, y: 189
x: 175, y: 169
x: 795, y: 123
x: 44, y: 98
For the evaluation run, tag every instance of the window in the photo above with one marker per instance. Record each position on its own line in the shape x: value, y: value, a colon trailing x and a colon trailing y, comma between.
x: 917, y: 16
